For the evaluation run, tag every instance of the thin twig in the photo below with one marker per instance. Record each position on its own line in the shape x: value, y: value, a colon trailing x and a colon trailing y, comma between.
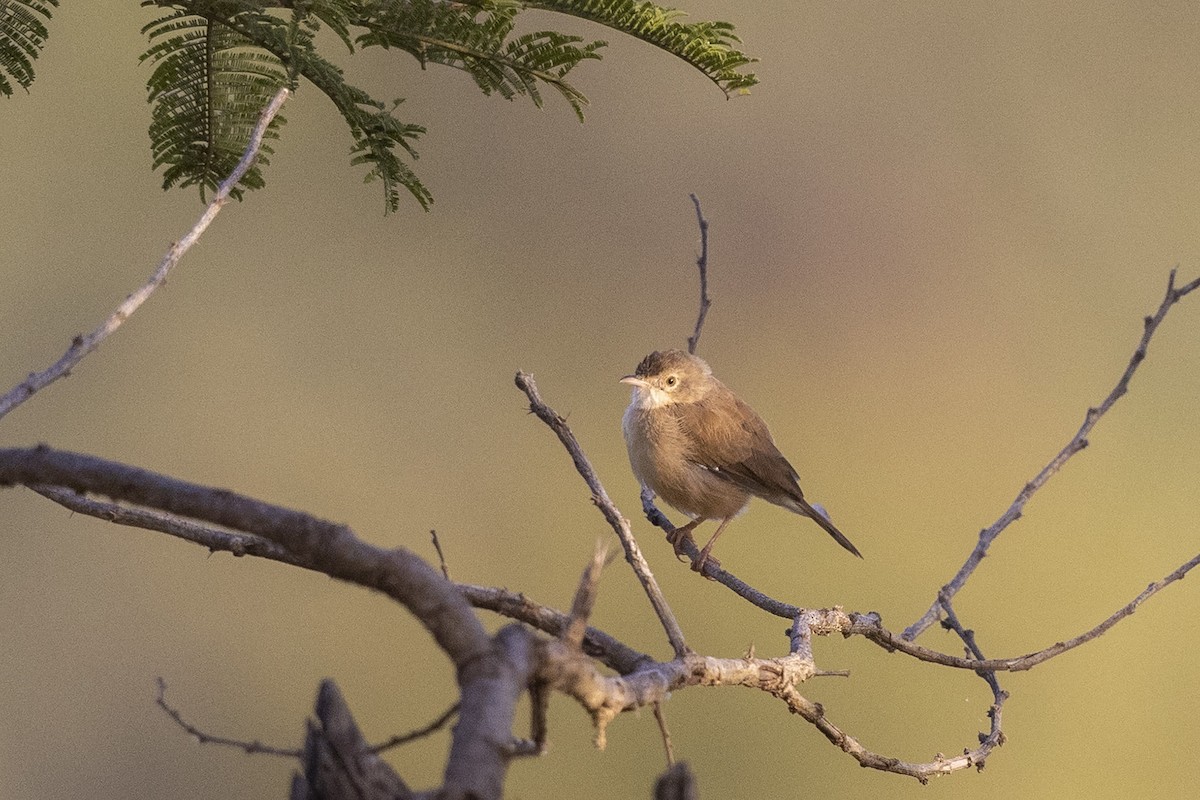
x: 660, y: 716
x: 869, y: 625
x: 995, y: 737
x: 419, y: 733
x: 82, y: 345
x: 207, y: 738
x: 633, y: 553
x: 441, y: 556
x: 539, y: 714
x: 258, y: 747
x: 1078, y: 442
x: 216, y: 540
x: 702, y: 265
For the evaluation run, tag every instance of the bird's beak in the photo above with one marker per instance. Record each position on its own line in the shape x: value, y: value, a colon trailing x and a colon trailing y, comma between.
x: 634, y: 380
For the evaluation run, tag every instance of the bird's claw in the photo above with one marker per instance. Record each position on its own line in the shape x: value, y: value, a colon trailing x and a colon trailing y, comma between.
x: 705, y: 560
x: 676, y: 538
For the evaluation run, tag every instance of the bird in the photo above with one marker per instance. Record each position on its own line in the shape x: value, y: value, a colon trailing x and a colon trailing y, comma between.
x: 703, y: 450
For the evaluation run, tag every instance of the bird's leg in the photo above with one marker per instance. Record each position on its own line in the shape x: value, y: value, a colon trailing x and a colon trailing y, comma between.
x: 681, y: 534
x: 698, y: 564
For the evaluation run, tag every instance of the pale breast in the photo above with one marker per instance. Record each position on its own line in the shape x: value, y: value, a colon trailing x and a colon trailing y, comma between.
x: 659, y: 453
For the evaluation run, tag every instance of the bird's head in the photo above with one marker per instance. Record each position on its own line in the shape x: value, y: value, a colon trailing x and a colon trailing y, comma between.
x: 666, y: 377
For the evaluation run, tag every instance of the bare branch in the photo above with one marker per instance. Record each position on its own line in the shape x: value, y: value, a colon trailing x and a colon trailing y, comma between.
x: 338, y: 764
x: 585, y: 598
x: 82, y: 345
x: 869, y: 625
x: 564, y: 667
x: 491, y: 672
x: 516, y: 605
x: 483, y: 742
x: 205, y: 738
x: 239, y: 544
x: 715, y: 571
x: 702, y: 265
x: 1078, y: 442
x: 660, y: 717
x: 940, y: 765
x: 633, y: 553
x: 419, y: 733
x: 331, y: 548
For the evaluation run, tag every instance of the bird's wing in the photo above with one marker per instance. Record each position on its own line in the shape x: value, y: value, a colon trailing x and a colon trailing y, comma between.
x: 730, y: 440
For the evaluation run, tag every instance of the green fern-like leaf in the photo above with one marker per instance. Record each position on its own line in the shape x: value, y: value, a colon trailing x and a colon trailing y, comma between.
x: 376, y: 133
x: 218, y: 61
x: 208, y: 88
x: 711, y: 47
x: 22, y: 35
x: 475, y: 38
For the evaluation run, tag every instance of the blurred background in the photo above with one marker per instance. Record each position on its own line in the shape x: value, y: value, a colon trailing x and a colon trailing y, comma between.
x: 935, y: 231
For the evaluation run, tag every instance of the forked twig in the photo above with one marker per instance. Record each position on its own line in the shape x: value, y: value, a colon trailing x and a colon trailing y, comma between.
x: 1078, y: 442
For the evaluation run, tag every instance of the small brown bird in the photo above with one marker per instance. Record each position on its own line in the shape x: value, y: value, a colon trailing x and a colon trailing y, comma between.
x: 695, y: 444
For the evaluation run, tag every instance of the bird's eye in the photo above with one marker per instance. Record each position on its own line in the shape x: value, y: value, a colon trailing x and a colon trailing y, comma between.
x: 672, y: 380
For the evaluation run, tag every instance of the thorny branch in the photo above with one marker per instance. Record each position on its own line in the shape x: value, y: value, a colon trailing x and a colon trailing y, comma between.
x: 492, y: 671
x: 644, y: 681
x: 1078, y: 442
x: 250, y: 748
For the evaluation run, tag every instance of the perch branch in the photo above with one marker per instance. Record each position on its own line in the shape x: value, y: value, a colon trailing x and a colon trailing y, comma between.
x: 715, y: 572
x: 82, y: 344
x: 1078, y: 442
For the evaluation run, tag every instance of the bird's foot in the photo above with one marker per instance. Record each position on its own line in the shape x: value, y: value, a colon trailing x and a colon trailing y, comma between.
x: 705, y: 560
x: 677, y: 537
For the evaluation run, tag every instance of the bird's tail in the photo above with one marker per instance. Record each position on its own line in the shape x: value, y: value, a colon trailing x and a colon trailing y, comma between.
x: 818, y: 515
